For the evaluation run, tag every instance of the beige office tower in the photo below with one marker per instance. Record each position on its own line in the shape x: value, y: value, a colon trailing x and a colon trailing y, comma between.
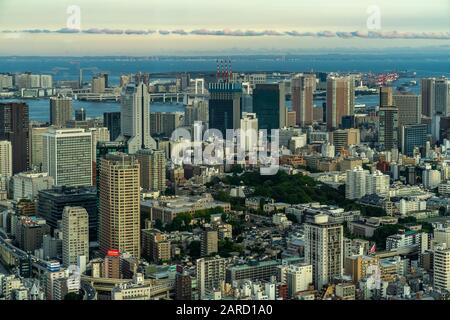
x: 441, y: 270
x: 68, y: 156
x: 119, y: 208
x: 152, y: 169
x: 60, y: 111
x: 340, y: 100
x: 210, y: 274
x: 343, y: 138
x: 37, y: 146
x: 5, y: 158
x: 209, y: 244
x: 98, y: 84
x: 75, y: 229
x: 386, y: 96
x: 324, y: 250
x: 303, y: 87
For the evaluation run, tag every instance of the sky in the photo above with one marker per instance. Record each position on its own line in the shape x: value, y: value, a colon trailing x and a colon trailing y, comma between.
x: 151, y: 27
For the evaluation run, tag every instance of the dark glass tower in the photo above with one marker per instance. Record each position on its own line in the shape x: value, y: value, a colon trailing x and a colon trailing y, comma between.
x: 111, y: 120
x: 225, y: 106
x: 14, y: 127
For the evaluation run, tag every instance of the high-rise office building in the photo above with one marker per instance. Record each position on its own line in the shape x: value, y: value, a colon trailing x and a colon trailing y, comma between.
x: 385, y: 96
x: 340, y: 100
x: 269, y: 104
x: 51, y: 203
x: 135, y: 118
x: 99, y: 83
x: 37, y: 147
x: 303, y: 87
x: 14, y: 127
x: 119, y: 209
x: 68, y: 156
x: 442, y: 96
x: 75, y: 230
x: 249, y: 132
x: 428, y: 99
x: 6, y: 166
x: 209, y: 242
x: 210, y: 274
x: 111, y: 120
x: 152, y: 169
x: 388, y: 128
x: 324, y: 250
x: 60, y: 111
x: 343, y: 138
x: 414, y: 135
x: 409, y: 107
x: 224, y: 106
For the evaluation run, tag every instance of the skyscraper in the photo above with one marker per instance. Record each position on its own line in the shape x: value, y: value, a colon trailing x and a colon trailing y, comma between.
x: 6, y: 159
x: 75, y: 229
x: 68, y: 156
x: 119, y: 211
x: 303, y: 87
x: 164, y: 123
x: 340, y: 100
x: 135, y: 118
x: 269, y: 104
x: 37, y: 147
x: 428, y: 99
x: 152, y: 169
x: 14, y: 127
x: 324, y: 250
x: 224, y: 106
x: 388, y: 128
x: 442, y: 96
x: 60, y: 111
x: 385, y: 96
x: 111, y: 120
x: 413, y: 135
x: 196, y: 111
x: 249, y: 132
x: 409, y: 108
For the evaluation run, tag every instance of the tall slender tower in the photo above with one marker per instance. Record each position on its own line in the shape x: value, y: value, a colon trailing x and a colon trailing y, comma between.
x: 5, y: 158
x: 340, y: 100
x: 14, y: 127
x: 75, y: 227
x: 60, y: 111
x: 303, y: 87
x: 119, y: 210
x: 324, y: 250
x: 135, y: 118
x: 428, y: 99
